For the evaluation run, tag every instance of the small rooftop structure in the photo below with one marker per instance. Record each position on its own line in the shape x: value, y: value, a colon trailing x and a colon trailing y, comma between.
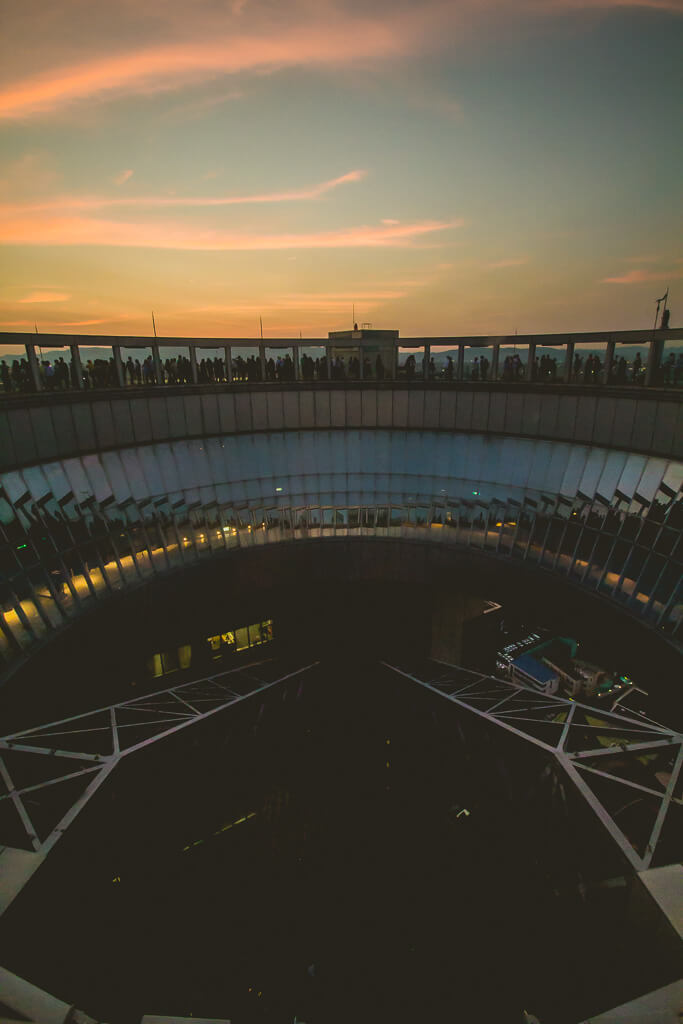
x: 365, y: 335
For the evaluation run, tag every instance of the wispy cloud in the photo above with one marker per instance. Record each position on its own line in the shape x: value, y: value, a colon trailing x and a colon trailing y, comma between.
x: 91, y: 323
x: 183, y: 44
x: 62, y: 203
x: 19, y: 230
x: 332, y: 41
x: 123, y: 177
x: 323, y: 302
x: 641, y: 276
x: 44, y: 296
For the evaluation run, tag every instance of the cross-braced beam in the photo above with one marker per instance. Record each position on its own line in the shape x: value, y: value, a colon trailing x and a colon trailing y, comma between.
x: 57, y: 767
x: 607, y: 756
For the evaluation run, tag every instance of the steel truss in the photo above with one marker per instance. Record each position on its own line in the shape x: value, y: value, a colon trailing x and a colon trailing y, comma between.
x: 615, y: 762
x: 63, y: 763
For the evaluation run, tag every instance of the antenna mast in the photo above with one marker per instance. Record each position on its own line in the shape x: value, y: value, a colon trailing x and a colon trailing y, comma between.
x: 154, y: 326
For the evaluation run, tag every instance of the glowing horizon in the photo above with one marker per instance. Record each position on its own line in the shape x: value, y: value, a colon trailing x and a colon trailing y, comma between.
x: 474, y: 167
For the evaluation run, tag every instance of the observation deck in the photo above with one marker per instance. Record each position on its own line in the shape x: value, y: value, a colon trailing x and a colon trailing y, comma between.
x: 129, y: 457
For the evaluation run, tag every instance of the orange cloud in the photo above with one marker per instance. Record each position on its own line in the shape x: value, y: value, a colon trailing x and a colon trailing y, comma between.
x: 323, y: 302
x: 90, y: 323
x: 62, y: 203
x: 39, y: 296
x: 640, y: 276
x: 20, y: 230
x: 123, y: 177
x: 158, y: 68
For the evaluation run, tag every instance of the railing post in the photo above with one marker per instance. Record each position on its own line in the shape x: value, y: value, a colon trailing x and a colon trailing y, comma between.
x: 609, y: 360
x: 495, y: 361
x: 193, y: 364
x: 77, y: 366
x: 654, y: 359
x: 426, y: 362
x: 158, y: 372
x: 117, y: 364
x: 461, y: 362
x: 35, y: 369
x: 531, y: 356
x: 569, y: 363
x: 262, y: 360
x: 228, y: 364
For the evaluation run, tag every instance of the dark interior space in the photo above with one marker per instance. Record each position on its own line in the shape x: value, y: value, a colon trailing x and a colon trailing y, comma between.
x: 307, y: 853
x: 366, y: 598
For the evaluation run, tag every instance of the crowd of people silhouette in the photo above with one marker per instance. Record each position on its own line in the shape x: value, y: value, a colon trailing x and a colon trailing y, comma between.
x: 17, y: 376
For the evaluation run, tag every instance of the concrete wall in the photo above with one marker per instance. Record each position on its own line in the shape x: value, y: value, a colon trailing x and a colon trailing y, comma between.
x: 33, y: 429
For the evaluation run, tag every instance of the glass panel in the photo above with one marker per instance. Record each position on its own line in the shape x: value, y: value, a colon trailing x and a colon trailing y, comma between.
x: 512, y: 361
x: 175, y: 365
x: 549, y: 364
x: 671, y: 365
x: 280, y: 363
x: 138, y: 365
x: 410, y: 363
x: 445, y: 362
x: 211, y: 365
x: 477, y: 364
x: 313, y: 362
x: 15, y: 373
x: 246, y: 364
x: 589, y: 362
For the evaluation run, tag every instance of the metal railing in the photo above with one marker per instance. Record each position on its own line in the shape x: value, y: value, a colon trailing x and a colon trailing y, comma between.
x: 29, y: 363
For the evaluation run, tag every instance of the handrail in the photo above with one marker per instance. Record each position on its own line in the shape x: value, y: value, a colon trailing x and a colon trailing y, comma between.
x: 358, y: 355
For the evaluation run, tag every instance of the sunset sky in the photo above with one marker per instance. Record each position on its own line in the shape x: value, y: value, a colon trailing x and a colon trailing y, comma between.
x: 462, y: 167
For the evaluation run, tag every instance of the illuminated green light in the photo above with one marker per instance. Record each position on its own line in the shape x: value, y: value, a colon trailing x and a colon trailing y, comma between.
x: 21, y: 546
x: 475, y: 492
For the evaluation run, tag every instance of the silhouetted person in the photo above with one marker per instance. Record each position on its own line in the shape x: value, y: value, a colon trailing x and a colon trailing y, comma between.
x: 665, y: 319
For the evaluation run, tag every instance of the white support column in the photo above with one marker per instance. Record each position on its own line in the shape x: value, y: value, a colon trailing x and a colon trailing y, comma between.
x: 117, y: 363
x: 297, y: 365
x: 494, y: 362
x: 262, y: 360
x: 328, y: 361
x: 77, y: 366
x: 609, y: 359
x: 426, y: 362
x: 461, y: 363
x: 569, y: 363
x: 654, y: 359
x: 193, y: 364
x: 531, y: 355
x: 158, y: 371
x: 35, y: 369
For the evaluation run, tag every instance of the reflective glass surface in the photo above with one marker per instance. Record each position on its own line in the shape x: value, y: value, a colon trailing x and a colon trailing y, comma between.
x: 74, y: 531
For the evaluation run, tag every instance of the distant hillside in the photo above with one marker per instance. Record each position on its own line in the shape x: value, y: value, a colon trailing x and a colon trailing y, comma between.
x: 627, y: 351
